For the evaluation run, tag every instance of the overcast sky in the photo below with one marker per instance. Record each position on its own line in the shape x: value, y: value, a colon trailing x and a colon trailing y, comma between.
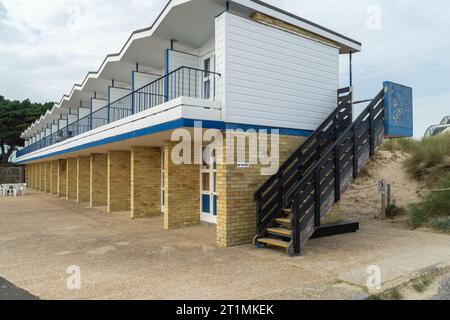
x: 48, y: 45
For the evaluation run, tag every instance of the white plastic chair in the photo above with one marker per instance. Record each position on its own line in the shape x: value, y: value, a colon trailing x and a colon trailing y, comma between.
x: 2, y: 191
x: 13, y: 190
x: 23, y: 189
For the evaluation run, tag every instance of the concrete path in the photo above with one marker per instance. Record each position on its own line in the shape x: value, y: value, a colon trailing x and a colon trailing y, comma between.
x: 41, y: 236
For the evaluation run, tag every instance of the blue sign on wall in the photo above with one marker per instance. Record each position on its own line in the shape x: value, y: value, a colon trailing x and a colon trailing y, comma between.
x: 398, y: 103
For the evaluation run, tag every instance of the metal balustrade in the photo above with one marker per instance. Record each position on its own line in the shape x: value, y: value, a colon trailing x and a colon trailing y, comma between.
x: 182, y: 82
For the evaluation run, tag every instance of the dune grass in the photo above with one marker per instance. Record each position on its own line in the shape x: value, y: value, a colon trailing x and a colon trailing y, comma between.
x: 430, y: 158
x: 434, y: 210
x: 429, y: 161
x: 403, y: 144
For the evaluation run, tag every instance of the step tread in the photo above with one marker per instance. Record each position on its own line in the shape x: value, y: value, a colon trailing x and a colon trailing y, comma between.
x: 274, y: 242
x: 283, y: 220
x: 280, y: 231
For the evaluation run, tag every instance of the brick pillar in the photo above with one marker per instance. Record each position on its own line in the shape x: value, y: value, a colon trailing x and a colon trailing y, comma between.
x: 119, y: 181
x: 54, y: 177
x: 99, y: 180
x: 62, y: 178
x: 182, y: 196
x: 29, y: 175
x: 71, y: 179
x: 36, y: 176
x: 83, y: 179
x: 27, y: 170
x: 145, y: 182
x: 42, y: 178
x: 48, y: 168
x: 236, y: 210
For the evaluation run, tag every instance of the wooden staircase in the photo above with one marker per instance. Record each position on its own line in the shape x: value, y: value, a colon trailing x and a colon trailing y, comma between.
x: 292, y: 204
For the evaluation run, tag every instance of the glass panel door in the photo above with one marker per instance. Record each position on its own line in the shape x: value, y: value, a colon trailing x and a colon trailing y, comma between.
x: 208, y: 191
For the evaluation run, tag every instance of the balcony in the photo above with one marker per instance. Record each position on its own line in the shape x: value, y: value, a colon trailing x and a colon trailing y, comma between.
x: 182, y: 82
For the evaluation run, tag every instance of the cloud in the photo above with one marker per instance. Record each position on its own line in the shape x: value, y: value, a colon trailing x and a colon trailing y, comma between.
x: 48, y: 45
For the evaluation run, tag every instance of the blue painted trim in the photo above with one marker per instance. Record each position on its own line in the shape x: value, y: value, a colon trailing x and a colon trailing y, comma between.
x: 132, y: 91
x: 172, y: 125
x: 166, y: 72
x: 90, y: 114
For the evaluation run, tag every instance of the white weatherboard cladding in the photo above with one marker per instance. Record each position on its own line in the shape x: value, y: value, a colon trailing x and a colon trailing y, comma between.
x: 273, y: 77
x: 189, y: 77
x: 117, y: 93
x: 97, y: 104
x: 180, y: 59
x: 71, y: 118
x: 62, y: 123
x: 141, y: 79
x: 84, y: 112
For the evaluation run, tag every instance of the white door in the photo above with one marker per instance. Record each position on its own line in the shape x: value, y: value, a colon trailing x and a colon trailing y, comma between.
x: 208, y: 191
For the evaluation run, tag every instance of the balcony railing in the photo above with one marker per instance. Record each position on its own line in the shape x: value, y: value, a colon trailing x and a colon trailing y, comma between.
x: 182, y: 82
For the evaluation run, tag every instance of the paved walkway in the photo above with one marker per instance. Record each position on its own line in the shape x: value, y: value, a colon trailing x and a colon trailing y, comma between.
x: 41, y: 236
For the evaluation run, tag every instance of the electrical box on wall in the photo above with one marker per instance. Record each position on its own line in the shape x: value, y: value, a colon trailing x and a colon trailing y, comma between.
x: 398, y: 102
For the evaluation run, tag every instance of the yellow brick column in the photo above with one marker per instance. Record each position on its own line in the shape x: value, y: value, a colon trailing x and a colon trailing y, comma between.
x: 119, y: 181
x: 62, y: 178
x: 145, y: 182
x: 27, y: 178
x: 29, y: 174
x: 236, y: 210
x: 83, y: 179
x: 54, y: 177
x: 71, y: 179
x: 182, y: 196
x: 42, y: 179
x: 36, y: 176
x: 99, y: 180
x: 48, y: 176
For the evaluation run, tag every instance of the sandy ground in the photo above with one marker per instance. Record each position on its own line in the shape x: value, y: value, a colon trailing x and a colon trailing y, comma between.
x: 41, y: 236
x: 361, y: 203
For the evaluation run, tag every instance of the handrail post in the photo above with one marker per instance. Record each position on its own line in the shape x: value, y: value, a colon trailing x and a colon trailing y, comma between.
x: 299, y: 165
x: 296, y: 229
x: 280, y: 184
x: 317, y: 198
x: 372, y: 131
x: 337, y: 174
x: 258, y: 213
x: 355, y: 153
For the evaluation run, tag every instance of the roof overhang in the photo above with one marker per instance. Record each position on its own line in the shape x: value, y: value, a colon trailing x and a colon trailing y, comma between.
x: 172, y: 24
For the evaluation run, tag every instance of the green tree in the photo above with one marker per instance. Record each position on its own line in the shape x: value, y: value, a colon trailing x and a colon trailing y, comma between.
x: 15, y: 117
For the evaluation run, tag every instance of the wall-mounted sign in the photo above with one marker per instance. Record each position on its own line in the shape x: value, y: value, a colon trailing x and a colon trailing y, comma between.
x: 243, y: 165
